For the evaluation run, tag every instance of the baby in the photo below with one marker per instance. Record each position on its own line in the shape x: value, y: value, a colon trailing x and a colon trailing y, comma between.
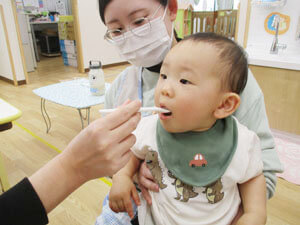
x: 205, y: 162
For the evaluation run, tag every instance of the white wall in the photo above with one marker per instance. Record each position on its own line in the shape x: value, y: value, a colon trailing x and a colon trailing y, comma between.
x: 257, y: 33
x: 5, y: 66
x: 92, y: 29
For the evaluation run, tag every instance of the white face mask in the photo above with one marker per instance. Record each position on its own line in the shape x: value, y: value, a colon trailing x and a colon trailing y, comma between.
x: 146, y: 50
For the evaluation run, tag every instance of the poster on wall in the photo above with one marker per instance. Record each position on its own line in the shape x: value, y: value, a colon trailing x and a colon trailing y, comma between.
x: 284, y: 23
x: 60, y: 8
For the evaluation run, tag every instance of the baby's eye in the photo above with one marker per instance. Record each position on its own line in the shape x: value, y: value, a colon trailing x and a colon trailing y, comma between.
x: 184, y: 81
x: 163, y: 76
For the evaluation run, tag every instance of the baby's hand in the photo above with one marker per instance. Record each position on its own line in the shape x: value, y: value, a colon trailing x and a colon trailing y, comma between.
x: 121, y: 192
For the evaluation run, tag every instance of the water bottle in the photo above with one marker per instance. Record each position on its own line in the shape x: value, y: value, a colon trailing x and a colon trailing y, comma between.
x: 96, y: 78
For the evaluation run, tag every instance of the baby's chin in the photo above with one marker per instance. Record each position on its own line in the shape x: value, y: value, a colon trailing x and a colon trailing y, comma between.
x: 171, y: 128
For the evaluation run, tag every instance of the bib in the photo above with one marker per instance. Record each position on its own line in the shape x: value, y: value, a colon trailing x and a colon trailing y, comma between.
x: 198, y: 158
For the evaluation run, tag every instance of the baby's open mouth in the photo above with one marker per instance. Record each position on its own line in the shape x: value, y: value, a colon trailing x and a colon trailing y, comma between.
x: 166, y: 113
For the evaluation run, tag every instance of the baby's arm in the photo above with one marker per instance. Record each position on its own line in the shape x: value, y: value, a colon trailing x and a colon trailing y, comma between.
x: 123, y: 188
x: 253, y: 195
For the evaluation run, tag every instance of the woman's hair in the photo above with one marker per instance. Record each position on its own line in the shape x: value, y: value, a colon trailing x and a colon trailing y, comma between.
x: 232, y: 58
x: 104, y: 3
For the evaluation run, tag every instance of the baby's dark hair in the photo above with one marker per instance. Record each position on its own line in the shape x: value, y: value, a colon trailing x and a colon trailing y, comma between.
x: 232, y: 57
x: 104, y: 3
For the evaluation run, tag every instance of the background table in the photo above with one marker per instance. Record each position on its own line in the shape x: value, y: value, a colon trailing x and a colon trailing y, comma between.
x: 75, y: 93
x: 8, y: 113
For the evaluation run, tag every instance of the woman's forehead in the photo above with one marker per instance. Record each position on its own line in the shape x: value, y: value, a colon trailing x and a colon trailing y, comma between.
x: 117, y: 10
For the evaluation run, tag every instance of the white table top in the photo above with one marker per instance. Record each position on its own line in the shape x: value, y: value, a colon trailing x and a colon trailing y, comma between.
x: 74, y: 93
x: 8, y: 112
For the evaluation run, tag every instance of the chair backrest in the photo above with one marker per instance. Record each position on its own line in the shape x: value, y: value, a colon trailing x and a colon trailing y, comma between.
x: 221, y: 22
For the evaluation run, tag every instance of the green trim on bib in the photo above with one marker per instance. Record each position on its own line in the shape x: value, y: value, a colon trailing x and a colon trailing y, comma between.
x: 198, y: 158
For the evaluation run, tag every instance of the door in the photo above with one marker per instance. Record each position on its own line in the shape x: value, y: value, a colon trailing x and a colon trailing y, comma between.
x: 27, y: 42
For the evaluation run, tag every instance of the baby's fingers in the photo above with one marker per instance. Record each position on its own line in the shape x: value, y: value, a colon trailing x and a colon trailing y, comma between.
x: 113, y: 206
x: 135, y: 196
x: 146, y: 195
x: 128, y: 206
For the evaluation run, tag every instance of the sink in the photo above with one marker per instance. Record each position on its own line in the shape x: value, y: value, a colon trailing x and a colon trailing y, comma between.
x: 259, y: 54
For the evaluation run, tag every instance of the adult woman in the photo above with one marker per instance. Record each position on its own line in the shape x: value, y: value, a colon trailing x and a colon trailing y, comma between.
x: 99, y: 150
x: 142, y: 31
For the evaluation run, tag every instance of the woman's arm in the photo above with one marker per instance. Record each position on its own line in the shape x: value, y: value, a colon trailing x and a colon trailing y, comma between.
x: 252, y: 114
x: 99, y: 150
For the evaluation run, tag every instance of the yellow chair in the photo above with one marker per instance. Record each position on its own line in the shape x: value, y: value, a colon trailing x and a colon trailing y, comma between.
x: 8, y: 113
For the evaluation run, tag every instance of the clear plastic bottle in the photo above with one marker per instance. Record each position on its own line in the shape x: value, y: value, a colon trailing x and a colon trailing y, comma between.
x: 96, y: 78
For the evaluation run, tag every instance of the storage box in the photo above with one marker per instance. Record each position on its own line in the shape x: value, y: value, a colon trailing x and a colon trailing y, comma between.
x: 70, y: 61
x: 66, y: 28
x: 68, y: 46
x: 70, y: 56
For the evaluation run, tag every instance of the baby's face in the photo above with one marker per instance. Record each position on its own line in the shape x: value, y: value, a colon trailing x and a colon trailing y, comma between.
x: 190, y: 87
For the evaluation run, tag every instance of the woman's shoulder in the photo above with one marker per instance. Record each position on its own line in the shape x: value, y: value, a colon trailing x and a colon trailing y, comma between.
x: 127, y: 76
x: 245, y: 135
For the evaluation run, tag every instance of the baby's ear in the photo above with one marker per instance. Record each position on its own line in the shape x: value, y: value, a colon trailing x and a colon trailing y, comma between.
x: 228, y: 105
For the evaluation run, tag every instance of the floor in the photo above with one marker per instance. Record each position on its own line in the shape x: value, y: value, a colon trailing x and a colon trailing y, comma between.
x: 27, y: 147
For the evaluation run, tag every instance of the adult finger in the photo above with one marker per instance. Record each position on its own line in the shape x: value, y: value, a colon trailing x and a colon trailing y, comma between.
x: 145, y: 172
x: 127, y: 127
x: 146, y: 178
x: 146, y: 195
x: 121, y: 148
x: 127, y: 102
x: 122, y: 114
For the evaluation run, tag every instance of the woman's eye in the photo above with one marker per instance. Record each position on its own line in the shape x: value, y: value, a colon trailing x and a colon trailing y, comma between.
x: 139, y: 21
x: 116, y: 32
x: 163, y: 76
x: 184, y: 81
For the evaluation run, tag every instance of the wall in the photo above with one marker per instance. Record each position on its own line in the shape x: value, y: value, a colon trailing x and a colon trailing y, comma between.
x: 257, y: 33
x: 92, y: 30
x: 5, y: 66
x: 281, y: 90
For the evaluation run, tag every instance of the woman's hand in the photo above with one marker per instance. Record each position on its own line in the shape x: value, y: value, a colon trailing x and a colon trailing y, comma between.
x: 101, y: 149
x: 146, y: 182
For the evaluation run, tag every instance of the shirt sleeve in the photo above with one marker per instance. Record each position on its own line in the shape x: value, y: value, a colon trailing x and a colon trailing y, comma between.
x: 145, y: 136
x: 252, y: 114
x: 21, y: 205
x: 254, y: 165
